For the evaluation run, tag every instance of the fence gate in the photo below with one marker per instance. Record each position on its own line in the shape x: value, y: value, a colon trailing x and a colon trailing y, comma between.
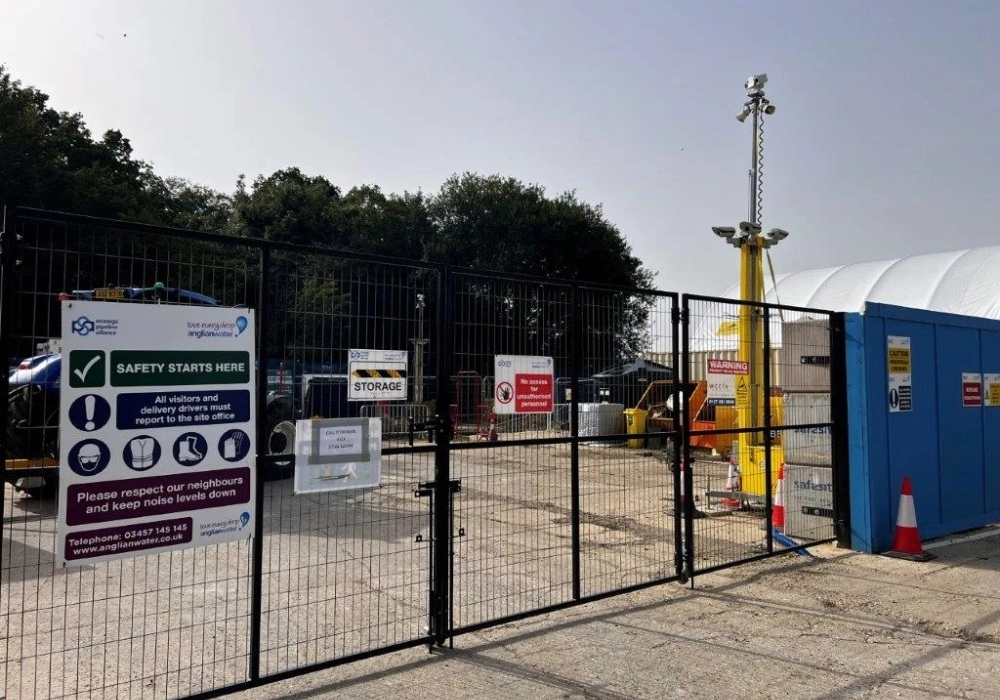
x: 767, y: 395
x: 534, y: 463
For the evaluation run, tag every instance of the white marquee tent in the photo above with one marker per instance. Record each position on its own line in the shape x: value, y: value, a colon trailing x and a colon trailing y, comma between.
x: 965, y: 282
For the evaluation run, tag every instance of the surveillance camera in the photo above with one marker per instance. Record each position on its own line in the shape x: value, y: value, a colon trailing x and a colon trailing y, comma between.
x: 769, y: 109
x: 724, y: 231
x: 777, y: 234
x: 756, y: 82
x: 744, y: 227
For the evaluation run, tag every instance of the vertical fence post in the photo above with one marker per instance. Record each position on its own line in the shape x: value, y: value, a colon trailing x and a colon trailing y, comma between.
x: 839, y: 419
x: 768, y: 505
x: 441, y: 584
x: 8, y: 265
x: 257, y: 556
x: 675, y: 461
x: 576, y: 354
x: 687, y: 473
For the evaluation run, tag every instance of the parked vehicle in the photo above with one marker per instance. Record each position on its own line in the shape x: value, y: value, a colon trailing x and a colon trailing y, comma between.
x: 32, y: 433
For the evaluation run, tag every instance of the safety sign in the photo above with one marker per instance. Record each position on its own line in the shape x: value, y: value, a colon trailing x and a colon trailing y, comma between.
x: 523, y: 384
x: 991, y: 387
x: 376, y: 375
x: 972, y: 389
x: 722, y: 378
x: 156, y: 446
x: 900, y: 370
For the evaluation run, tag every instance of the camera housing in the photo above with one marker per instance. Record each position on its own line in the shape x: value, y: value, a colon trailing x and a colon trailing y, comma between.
x: 756, y: 82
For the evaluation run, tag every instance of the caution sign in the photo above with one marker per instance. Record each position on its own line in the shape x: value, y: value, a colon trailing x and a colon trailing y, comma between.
x: 900, y: 366
x: 376, y: 375
x: 991, y: 387
x: 972, y: 390
x: 742, y: 391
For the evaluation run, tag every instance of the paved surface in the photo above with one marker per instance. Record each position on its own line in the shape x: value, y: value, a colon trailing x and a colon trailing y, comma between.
x: 842, y: 625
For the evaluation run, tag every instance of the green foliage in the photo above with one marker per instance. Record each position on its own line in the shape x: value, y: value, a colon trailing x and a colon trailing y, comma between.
x: 49, y: 159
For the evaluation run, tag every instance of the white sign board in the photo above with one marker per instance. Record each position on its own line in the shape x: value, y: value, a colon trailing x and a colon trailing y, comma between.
x: 376, y: 375
x: 337, y: 454
x: 900, y: 365
x: 156, y: 445
x: 522, y: 384
x: 722, y: 377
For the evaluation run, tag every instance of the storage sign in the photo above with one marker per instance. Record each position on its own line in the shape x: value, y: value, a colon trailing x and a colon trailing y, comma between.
x: 376, y: 375
x: 156, y: 446
x: 523, y: 384
x: 723, y: 377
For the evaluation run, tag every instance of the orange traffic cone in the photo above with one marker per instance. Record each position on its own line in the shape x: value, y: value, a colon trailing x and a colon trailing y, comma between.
x: 492, y: 435
x: 906, y: 544
x: 734, y: 484
x: 778, y: 507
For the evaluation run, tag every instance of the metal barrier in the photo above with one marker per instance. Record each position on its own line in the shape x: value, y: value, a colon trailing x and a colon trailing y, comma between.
x: 487, y: 510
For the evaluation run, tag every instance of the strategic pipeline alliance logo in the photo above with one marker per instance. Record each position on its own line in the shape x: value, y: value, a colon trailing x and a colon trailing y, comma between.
x: 83, y: 326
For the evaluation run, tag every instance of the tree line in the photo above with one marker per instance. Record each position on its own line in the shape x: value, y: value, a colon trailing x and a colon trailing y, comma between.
x: 49, y: 159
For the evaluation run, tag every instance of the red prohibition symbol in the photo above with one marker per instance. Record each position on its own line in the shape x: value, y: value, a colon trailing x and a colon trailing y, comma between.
x: 505, y: 392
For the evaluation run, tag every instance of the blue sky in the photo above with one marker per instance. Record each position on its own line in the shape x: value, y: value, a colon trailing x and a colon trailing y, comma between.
x: 885, y: 141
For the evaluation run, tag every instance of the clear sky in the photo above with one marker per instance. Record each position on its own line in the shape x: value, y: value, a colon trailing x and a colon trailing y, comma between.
x: 885, y: 141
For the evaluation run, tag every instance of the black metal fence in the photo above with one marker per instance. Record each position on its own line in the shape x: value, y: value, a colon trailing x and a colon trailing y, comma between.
x: 481, y: 516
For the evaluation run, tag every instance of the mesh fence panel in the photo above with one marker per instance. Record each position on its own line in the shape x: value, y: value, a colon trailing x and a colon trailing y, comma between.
x: 759, y: 399
x: 161, y: 625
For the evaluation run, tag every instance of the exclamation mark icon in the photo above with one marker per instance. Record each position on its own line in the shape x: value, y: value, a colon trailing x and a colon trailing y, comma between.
x: 89, y: 407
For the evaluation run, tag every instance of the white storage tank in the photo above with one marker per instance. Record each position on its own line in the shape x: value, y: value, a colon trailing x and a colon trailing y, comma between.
x: 602, y: 419
x: 808, y: 498
x: 808, y: 446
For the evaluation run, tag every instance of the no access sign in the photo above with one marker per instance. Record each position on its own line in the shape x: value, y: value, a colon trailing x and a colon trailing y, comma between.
x: 523, y: 384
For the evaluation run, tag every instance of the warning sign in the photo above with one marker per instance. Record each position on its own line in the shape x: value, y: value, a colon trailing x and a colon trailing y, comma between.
x: 900, y: 366
x: 722, y: 378
x: 972, y: 390
x: 523, y: 384
x: 742, y: 391
x: 377, y: 375
x: 991, y: 386
x: 899, y: 359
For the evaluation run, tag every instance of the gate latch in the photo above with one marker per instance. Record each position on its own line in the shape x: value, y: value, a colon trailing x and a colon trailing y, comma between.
x: 431, y: 426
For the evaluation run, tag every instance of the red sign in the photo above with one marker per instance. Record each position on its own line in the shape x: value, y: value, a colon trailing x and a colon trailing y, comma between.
x: 728, y: 367
x: 972, y: 394
x: 533, y: 393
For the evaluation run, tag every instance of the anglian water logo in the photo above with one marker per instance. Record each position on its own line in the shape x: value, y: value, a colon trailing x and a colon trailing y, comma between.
x: 218, y: 329
x: 83, y: 326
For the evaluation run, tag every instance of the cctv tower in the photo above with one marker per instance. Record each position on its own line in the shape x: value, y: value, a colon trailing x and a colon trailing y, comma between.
x: 754, y: 458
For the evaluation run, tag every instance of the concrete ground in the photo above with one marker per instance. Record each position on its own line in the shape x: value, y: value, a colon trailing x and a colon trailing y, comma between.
x: 840, y: 625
